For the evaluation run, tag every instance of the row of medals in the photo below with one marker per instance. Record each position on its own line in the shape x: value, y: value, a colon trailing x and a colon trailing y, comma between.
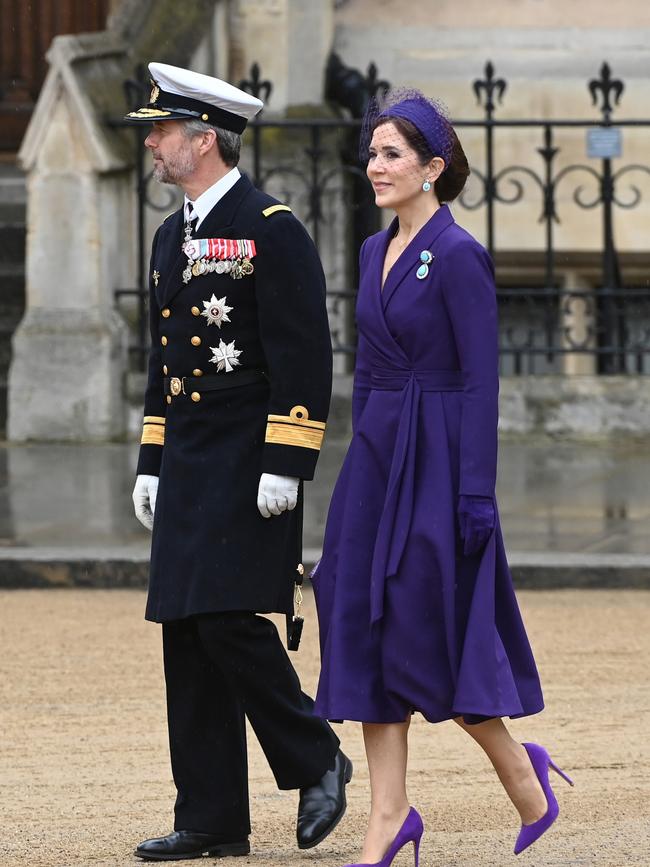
x: 237, y: 268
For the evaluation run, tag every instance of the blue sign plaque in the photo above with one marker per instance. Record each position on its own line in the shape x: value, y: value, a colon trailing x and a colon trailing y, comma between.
x: 604, y: 142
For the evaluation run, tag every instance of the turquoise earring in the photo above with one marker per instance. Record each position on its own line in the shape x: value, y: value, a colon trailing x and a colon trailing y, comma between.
x: 426, y: 186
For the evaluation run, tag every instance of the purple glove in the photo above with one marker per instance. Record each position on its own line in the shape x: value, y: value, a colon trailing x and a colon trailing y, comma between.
x: 477, y: 519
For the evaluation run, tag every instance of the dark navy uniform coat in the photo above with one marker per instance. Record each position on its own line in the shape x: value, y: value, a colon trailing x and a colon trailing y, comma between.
x: 211, y: 548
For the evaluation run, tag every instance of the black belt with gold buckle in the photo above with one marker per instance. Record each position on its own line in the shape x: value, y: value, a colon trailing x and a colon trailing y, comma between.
x: 175, y: 385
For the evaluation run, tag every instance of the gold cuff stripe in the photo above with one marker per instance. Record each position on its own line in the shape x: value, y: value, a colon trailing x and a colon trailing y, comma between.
x: 304, y: 422
x: 154, y: 419
x: 273, y: 209
x: 153, y: 435
x: 294, y: 435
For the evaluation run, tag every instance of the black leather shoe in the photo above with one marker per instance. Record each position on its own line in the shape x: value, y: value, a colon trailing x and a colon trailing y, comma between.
x: 189, y: 844
x: 322, y: 806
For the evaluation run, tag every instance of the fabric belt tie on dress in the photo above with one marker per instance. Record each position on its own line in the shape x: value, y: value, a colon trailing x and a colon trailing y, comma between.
x: 175, y: 385
x: 395, y: 522
x: 389, y: 379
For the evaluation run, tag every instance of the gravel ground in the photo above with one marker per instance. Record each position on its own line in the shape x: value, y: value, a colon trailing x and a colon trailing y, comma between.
x: 84, y: 771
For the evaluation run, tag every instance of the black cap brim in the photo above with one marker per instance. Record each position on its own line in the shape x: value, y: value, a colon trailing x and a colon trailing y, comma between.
x: 171, y: 106
x: 153, y: 115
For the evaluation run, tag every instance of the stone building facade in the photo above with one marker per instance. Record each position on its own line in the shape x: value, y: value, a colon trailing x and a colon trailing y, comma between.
x: 546, y: 50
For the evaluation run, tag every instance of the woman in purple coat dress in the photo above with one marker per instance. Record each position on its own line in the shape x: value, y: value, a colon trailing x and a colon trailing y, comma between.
x: 415, y: 601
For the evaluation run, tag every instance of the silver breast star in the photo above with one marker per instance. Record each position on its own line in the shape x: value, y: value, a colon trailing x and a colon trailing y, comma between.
x: 216, y: 311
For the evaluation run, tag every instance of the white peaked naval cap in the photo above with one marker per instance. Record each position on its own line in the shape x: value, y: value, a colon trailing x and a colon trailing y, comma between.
x: 180, y: 94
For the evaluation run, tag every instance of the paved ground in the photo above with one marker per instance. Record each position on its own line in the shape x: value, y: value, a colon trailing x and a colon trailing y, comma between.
x: 84, y: 771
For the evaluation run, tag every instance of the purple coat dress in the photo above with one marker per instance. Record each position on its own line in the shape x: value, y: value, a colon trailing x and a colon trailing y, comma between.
x: 407, y: 622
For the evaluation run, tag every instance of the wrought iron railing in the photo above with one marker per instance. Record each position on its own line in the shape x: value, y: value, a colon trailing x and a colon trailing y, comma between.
x: 312, y: 164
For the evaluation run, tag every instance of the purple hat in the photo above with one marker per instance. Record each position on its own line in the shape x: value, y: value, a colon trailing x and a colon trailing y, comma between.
x: 426, y: 115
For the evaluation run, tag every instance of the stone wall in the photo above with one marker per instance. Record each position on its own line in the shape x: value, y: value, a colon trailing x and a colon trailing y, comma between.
x: 547, y: 50
x: 66, y: 379
x: 290, y: 39
x: 580, y: 407
x: 566, y: 407
x: 70, y: 351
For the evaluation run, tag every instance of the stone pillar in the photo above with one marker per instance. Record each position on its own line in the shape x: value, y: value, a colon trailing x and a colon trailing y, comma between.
x: 311, y: 33
x: 290, y: 39
x: 70, y: 350
x: 578, y: 321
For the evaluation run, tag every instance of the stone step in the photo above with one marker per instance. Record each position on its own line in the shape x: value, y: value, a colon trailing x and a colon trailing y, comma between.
x: 9, y: 320
x: 5, y: 353
x: 12, y: 242
x: 12, y: 280
x: 12, y: 186
x: 3, y: 405
x: 13, y: 212
x: 119, y: 567
x: 12, y: 286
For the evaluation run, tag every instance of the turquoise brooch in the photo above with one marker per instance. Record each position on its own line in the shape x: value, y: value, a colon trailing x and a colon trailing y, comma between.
x: 426, y: 259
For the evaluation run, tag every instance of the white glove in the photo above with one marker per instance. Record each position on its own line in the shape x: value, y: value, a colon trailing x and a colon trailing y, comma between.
x: 276, y: 494
x: 144, y: 499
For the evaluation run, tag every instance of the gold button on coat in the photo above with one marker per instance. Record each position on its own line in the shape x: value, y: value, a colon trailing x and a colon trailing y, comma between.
x: 165, y: 369
x: 196, y: 397
x: 166, y: 312
x: 169, y: 398
x: 163, y: 340
x: 196, y: 341
x: 197, y: 372
x: 196, y: 311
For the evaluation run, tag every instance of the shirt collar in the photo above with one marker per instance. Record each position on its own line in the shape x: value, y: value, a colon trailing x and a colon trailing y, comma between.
x: 209, y: 198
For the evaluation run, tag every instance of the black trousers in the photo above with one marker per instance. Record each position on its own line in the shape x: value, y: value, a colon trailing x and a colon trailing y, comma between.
x: 220, y: 669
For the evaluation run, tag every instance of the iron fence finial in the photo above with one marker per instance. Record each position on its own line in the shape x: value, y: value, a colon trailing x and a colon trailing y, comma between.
x: 607, y: 87
x: 486, y: 88
x: 255, y: 85
x: 373, y: 84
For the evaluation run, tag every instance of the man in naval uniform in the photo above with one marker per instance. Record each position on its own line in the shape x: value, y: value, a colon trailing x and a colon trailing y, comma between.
x: 235, y: 408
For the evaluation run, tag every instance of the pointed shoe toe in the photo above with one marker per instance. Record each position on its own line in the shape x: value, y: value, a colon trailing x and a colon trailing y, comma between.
x: 541, y: 762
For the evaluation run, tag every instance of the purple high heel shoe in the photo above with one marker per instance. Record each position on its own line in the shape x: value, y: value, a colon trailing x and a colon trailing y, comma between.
x: 541, y: 762
x: 410, y: 832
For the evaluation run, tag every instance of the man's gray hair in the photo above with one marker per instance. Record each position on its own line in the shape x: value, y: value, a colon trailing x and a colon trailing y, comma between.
x: 229, y: 143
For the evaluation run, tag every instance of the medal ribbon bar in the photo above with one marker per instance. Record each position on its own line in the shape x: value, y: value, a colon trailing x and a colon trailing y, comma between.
x: 219, y: 248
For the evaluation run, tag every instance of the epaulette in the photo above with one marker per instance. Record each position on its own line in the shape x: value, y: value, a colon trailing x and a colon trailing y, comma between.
x: 273, y: 209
